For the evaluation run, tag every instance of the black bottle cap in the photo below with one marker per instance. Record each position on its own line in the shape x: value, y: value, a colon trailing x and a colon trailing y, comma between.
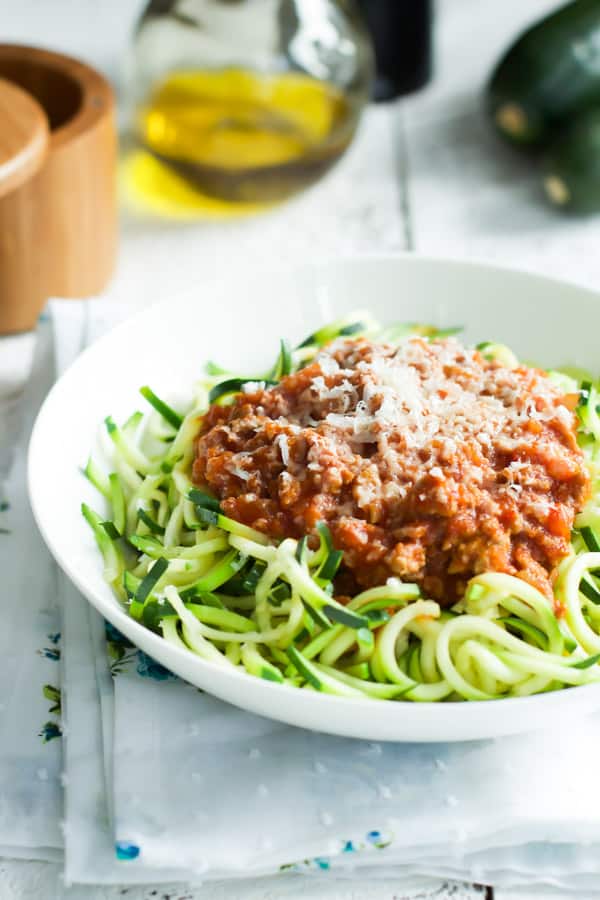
x: 401, y: 31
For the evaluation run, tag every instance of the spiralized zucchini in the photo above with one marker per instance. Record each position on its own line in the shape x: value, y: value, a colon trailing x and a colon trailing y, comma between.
x: 227, y: 593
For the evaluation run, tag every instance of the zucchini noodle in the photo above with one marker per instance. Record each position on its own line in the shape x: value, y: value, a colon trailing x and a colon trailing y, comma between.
x: 217, y: 588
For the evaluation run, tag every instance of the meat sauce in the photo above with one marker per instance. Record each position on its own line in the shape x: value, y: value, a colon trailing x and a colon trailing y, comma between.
x: 427, y: 461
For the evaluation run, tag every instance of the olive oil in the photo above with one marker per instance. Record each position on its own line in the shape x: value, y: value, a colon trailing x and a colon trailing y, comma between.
x: 235, y: 138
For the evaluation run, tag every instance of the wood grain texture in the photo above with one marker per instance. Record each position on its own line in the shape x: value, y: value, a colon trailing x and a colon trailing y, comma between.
x: 58, y: 229
x: 24, y: 136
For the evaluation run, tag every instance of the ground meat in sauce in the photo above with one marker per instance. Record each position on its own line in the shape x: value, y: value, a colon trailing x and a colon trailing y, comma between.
x: 427, y: 461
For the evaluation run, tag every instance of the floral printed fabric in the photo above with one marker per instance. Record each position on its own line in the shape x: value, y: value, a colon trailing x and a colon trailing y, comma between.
x: 90, y: 856
x: 213, y: 777
x: 30, y: 746
x: 125, y: 658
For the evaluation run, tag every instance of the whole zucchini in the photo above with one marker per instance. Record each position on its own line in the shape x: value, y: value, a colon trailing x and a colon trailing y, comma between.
x: 572, y: 165
x: 548, y: 75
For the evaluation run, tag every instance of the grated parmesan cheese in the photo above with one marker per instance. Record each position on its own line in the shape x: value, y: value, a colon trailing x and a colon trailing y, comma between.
x: 252, y: 387
x: 427, y: 390
x: 282, y: 442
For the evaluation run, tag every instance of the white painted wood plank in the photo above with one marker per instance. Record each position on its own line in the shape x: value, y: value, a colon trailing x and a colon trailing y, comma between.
x: 24, y: 880
x: 518, y: 894
x: 355, y: 209
x: 260, y: 890
x: 470, y: 35
x: 98, y: 32
x: 468, y: 194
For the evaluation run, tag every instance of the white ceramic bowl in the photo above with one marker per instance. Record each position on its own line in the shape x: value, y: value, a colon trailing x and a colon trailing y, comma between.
x: 238, y: 322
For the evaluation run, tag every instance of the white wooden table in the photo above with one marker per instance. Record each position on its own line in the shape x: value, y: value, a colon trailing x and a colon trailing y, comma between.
x: 425, y: 174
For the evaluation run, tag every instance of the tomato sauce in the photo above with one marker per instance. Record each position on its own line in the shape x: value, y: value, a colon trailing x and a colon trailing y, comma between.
x: 427, y: 461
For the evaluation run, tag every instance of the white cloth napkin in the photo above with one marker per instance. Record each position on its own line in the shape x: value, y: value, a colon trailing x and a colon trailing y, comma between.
x: 30, y: 747
x: 201, y: 790
x: 215, y: 792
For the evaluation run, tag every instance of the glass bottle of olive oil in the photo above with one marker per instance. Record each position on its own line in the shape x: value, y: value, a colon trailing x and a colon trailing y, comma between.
x: 238, y: 104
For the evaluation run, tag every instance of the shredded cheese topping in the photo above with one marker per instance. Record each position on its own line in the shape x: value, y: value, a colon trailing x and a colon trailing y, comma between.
x: 428, y: 390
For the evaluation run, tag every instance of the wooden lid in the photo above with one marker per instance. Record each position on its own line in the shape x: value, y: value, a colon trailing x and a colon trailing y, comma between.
x: 24, y: 136
x: 74, y: 97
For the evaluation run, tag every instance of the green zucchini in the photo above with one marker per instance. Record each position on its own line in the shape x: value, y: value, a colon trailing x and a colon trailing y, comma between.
x: 152, y: 526
x: 234, y: 386
x: 587, y: 663
x: 590, y: 539
x: 572, y: 165
x: 588, y: 590
x: 256, y: 665
x: 525, y: 630
x: 220, y: 573
x: 117, y: 499
x: 549, y: 75
x: 208, y: 511
x: 111, y: 553
x: 318, y: 679
x: 172, y: 417
x: 97, y: 477
x: 150, y: 580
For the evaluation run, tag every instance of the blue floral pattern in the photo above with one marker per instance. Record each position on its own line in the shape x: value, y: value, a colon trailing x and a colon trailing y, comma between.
x: 126, y: 851
x: 52, y: 728
x: 4, y: 507
x: 149, y: 668
x: 52, y: 653
x: 123, y: 656
x: 373, y: 840
x: 49, y: 731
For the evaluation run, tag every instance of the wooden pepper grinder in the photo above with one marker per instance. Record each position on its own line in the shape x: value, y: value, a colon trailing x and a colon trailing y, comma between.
x: 57, y: 182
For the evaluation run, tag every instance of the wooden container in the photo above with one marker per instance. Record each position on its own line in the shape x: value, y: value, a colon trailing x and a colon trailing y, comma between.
x: 57, y: 182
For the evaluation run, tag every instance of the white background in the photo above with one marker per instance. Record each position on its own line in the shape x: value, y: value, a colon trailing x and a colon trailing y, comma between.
x: 425, y: 174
